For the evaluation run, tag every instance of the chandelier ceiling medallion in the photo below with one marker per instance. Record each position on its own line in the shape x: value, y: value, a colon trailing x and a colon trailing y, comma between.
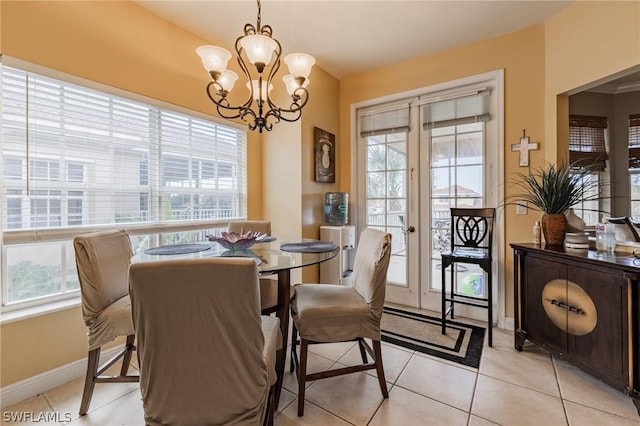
x: 259, y: 58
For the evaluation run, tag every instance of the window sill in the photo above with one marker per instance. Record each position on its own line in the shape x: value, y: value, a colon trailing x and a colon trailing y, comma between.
x: 35, y: 311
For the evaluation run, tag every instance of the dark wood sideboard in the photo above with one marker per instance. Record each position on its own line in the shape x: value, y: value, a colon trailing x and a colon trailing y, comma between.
x: 581, y: 305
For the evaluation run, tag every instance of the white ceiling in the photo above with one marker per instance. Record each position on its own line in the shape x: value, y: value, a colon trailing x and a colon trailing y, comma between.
x: 351, y: 36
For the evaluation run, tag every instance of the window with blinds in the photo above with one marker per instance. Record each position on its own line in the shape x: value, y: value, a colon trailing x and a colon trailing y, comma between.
x: 74, y: 156
x: 76, y: 159
x: 587, y: 146
x: 634, y: 141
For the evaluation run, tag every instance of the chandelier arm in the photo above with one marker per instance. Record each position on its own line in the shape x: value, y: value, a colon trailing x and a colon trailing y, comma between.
x: 222, y: 104
x: 252, y: 121
x: 270, y: 118
x: 247, y: 73
x: 272, y: 72
x: 249, y: 29
x: 300, y: 99
x: 296, y: 117
x: 275, y: 113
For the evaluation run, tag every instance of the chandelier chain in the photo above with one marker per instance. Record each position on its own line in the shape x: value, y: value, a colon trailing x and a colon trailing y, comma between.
x: 259, y: 15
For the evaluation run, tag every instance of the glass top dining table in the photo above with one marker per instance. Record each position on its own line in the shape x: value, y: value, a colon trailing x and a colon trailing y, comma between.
x: 269, y: 256
x: 271, y: 259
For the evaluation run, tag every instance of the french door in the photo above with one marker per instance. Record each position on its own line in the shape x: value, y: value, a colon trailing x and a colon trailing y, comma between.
x: 389, y: 187
x: 417, y: 158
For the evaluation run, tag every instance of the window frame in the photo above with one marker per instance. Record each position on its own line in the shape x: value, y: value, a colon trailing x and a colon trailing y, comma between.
x: 69, y: 187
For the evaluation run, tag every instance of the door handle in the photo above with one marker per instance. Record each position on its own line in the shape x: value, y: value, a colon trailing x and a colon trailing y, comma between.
x: 409, y: 230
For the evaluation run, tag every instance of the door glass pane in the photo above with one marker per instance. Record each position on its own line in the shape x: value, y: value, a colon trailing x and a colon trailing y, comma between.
x: 376, y: 185
x: 457, y: 180
x: 386, y: 191
x: 396, y: 184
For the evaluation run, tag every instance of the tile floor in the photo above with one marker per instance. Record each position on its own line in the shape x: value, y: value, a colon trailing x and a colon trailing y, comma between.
x: 509, y: 388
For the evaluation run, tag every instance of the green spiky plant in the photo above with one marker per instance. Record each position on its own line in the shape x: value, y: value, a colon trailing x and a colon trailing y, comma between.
x: 554, y: 188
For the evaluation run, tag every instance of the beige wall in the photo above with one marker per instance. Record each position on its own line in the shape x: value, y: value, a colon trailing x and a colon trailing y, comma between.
x: 149, y: 56
x: 322, y: 112
x: 293, y: 201
x: 617, y: 108
x: 520, y: 54
x: 585, y: 42
x: 142, y: 54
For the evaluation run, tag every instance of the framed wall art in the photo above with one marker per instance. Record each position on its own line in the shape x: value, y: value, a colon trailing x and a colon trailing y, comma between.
x: 325, y: 156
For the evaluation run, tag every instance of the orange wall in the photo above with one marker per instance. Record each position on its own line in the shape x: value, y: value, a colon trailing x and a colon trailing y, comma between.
x: 585, y: 42
x: 142, y: 54
x: 149, y: 56
x: 293, y: 201
x: 121, y: 45
x: 521, y: 55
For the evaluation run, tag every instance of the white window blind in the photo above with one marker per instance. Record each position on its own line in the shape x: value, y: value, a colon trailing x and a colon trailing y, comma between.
x: 76, y: 159
x: 388, y: 121
x: 74, y: 156
x: 459, y: 110
x: 634, y: 141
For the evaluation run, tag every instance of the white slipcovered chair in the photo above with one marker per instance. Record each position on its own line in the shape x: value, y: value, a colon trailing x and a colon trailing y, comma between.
x: 102, y: 260
x: 325, y: 313
x: 206, y: 355
x: 242, y: 227
x: 268, y: 285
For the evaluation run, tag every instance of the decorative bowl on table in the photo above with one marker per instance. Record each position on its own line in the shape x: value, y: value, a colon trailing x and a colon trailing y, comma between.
x: 235, y: 241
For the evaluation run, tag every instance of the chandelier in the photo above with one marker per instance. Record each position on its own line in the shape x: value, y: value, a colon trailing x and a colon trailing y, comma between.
x: 259, y: 58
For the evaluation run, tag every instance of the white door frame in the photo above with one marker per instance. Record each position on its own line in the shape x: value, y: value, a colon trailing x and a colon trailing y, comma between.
x: 495, y: 164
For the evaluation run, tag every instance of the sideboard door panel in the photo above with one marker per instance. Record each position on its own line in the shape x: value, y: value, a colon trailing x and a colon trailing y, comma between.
x: 537, y: 272
x: 605, y: 345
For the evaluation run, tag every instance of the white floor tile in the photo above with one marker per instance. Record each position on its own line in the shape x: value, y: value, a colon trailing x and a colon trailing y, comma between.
x: 394, y: 361
x: 585, y: 416
x: 506, y: 365
x: 443, y: 382
x: 353, y: 397
x: 578, y: 386
x: 509, y: 388
x: 507, y: 404
x: 408, y: 408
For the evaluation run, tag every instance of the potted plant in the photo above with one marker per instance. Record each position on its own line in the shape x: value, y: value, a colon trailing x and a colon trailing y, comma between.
x: 553, y: 189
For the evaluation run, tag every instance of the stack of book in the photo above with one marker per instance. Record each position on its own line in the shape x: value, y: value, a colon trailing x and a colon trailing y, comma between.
x: 576, y: 240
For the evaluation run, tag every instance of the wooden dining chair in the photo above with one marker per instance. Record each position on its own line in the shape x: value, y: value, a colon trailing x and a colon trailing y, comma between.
x: 328, y: 313
x: 206, y: 355
x: 102, y: 261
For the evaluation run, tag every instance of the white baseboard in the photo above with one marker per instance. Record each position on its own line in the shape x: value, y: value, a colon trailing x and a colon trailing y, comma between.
x: 27, y: 388
x: 509, y: 324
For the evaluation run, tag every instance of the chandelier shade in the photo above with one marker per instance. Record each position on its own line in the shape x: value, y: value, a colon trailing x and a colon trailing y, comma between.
x: 258, y: 55
x: 214, y: 58
x: 299, y: 64
x: 292, y: 85
x: 259, y: 49
x: 227, y: 80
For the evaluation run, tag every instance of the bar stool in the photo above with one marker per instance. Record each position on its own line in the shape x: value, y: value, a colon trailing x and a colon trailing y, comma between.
x: 471, y: 243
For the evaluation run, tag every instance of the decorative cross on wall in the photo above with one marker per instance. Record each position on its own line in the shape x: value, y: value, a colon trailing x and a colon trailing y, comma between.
x: 524, y: 147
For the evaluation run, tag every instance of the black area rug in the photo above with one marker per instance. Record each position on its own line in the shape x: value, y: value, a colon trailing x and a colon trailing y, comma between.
x: 422, y: 333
